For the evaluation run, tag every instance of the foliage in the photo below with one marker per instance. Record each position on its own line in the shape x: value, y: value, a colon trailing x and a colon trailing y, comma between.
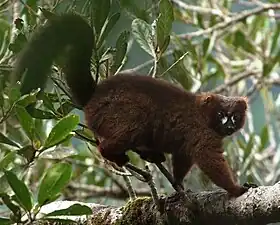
x: 47, y: 151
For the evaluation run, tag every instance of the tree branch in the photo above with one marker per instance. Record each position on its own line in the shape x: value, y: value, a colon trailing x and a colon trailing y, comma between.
x: 234, y: 80
x: 199, y: 9
x: 239, y: 17
x: 258, y: 206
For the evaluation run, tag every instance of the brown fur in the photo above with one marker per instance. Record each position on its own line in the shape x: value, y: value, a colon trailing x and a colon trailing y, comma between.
x: 125, y: 112
x: 153, y: 117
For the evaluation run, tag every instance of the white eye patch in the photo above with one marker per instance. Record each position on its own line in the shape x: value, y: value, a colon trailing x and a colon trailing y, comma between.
x: 233, y: 119
x: 224, y: 120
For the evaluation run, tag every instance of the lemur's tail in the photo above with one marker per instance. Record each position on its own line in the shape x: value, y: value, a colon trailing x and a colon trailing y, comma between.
x: 66, y: 33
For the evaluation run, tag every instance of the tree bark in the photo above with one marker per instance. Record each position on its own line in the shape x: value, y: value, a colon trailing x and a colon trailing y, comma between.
x: 258, y: 206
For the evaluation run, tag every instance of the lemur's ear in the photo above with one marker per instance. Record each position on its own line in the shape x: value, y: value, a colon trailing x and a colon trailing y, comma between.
x: 244, y: 98
x: 207, y: 99
x: 243, y: 102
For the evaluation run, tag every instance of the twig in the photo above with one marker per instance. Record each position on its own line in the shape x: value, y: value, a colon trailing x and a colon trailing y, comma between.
x: 250, y: 3
x: 169, y: 177
x: 130, y: 189
x: 28, y: 7
x: 4, y: 4
x: 253, y: 90
x: 235, y: 80
x: 153, y: 188
x: 7, y: 114
x: 147, y: 63
x: 85, y: 138
x: 83, y: 125
x: 144, y: 176
x: 147, y: 177
x: 199, y: 9
x: 239, y: 17
x: 55, y: 80
x: 97, y: 71
x: 273, y: 82
x: 174, y: 64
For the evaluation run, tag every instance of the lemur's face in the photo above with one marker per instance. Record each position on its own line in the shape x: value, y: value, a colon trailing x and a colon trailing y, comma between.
x: 226, y: 115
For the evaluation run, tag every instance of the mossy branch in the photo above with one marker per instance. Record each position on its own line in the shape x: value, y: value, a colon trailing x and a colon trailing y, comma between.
x: 257, y: 206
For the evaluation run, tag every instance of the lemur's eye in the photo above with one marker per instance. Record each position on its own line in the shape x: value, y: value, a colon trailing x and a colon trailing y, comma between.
x: 222, y: 117
x: 221, y: 114
x: 236, y: 117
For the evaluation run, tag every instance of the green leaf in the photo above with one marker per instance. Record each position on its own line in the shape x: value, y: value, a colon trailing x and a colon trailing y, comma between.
x: 5, y: 221
x: 258, y: 24
x: 4, y: 185
x: 107, y: 27
x: 220, y: 70
x: 191, y: 48
x: 48, y: 101
x: 26, y: 121
x: 7, y: 159
x: 27, y: 99
x: 180, y: 73
x: 135, y: 9
x: 65, y: 108
x: 7, y: 141
x: 73, y: 210
x: 107, y: 55
x: 275, y: 39
x: 47, y: 14
x: 30, y: 18
x: 14, y: 93
x: 100, y: 11
x: 41, y: 114
x: 268, y: 67
x: 164, y: 24
x: 9, y: 203
x: 53, y: 182
x: 52, y: 97
x: 205, y: 46
x: 165, y: 45
x: 249, y: 146
x: 20, y: 189
x: 61, y: 130
x: 84, y: 134
x: 200, y: 21
x: 121, y: 48
x: 2, y: 82
x: 264, y: 137
x: 270, y: 63
x: 208, y: 45
x: 18, y: 44
x: 241, y: 41
x: 166, y: 11
x: 142, y: 32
